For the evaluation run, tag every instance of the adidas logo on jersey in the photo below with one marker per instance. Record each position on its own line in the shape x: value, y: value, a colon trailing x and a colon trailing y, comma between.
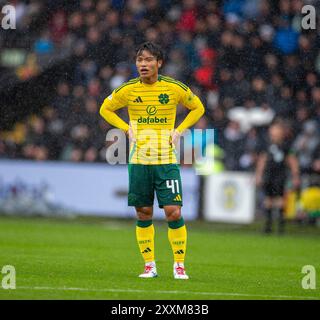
x: 177, y: 198
x: 138, y: 99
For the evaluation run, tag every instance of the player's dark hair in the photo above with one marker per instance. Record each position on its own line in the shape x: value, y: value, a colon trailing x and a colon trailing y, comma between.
x: 277, y: 121
x: 153, y: 48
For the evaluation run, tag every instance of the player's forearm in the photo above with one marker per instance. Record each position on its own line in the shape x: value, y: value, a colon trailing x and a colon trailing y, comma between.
x: 261, y: 163
x: 112, y: 118
x: 192, y: 117
x: 294, y: 166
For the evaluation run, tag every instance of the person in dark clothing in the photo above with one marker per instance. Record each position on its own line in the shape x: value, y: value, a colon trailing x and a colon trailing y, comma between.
x: 271, y: 174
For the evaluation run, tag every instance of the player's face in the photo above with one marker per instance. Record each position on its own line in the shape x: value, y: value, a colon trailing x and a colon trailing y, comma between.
x: 147, y: 65
x: 276, y: 133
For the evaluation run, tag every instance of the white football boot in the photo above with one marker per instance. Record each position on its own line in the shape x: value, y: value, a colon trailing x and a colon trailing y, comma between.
x: 179, y: 272
x: 150, y: 270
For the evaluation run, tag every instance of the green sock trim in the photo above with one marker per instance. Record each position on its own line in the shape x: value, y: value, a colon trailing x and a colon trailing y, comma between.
x: 144, y: 224
x: 176, y: 224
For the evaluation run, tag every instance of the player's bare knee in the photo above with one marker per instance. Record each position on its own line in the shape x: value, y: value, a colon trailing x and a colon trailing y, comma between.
x: 279, y: 203
x: 144, y: 213
x: 267, y: 203
x: 173, y: 213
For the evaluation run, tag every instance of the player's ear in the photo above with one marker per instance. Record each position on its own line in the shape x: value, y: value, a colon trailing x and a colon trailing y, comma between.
x: 160, y: 63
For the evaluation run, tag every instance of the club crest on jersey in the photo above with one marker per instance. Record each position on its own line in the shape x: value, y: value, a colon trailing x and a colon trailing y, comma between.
x: 163, y: 98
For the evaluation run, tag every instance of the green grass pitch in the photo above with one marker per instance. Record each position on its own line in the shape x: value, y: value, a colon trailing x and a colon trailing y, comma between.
x: 99, y: 259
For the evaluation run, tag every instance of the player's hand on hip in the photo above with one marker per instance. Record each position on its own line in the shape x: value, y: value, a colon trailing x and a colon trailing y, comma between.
x: 131, y: 135
x: 258, y: 180
x: 174, y: 137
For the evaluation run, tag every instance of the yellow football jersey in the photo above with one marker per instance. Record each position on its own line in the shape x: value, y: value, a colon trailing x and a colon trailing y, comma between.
x: 152, y: 114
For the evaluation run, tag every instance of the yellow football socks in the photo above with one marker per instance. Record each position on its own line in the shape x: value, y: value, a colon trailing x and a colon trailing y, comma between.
x: 145, y: 238
x: 177, y: 234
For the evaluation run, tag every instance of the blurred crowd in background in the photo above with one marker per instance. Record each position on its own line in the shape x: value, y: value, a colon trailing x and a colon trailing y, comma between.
x: 248, y: 60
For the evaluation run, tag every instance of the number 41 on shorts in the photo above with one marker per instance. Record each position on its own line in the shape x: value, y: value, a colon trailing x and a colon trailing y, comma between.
x: 173, y: 185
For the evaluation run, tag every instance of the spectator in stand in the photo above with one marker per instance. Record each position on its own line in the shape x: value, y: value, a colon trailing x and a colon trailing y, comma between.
x: 306, y: 144
x: 58, y: 26
x: 44, y: 44
x: 316, y: 161
x: 233, y: 145
x: 204, y: 75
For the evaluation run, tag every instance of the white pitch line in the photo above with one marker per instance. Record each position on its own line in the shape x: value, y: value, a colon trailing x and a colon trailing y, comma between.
x: 235, y: 294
